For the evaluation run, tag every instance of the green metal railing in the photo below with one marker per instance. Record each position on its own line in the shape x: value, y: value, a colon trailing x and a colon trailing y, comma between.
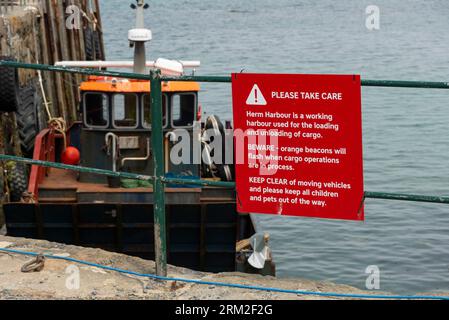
x: 219, y: 79
x: 205, y: 183
x: 157, y: 138
x: 158, y: 178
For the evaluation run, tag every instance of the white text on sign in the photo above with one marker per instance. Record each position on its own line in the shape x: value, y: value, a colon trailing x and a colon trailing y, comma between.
x: 297, y: 95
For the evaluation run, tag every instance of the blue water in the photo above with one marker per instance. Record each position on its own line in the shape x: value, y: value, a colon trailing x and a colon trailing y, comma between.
x: 405, y: 131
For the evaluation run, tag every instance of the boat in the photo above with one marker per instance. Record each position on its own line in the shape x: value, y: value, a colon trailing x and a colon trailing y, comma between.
x: 204, y: 230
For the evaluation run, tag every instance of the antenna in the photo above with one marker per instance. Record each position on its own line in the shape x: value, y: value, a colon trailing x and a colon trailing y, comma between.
x: 138, y: 36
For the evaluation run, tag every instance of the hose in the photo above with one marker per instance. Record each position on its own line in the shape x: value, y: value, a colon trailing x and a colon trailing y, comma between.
x: 231, y: 285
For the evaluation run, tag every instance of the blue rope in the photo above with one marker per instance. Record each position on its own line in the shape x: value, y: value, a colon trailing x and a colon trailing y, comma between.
x: 231, y: 285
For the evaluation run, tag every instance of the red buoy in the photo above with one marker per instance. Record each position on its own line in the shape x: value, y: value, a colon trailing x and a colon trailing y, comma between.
x: 71, y: 156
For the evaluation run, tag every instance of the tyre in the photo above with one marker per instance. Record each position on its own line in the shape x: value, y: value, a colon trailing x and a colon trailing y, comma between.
x: 18, y: 180
x: 97, y: 45
x: 27, y: 119
x: 2, y: 188
x: 214, y: 123
x: 9, y: 87
x: 89, y: 45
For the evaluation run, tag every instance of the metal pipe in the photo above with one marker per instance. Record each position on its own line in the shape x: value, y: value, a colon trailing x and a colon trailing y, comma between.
x: 166, y: 154
x: 111, y: 136
x: 405, y: 84
x: 406, y: 197
x: 119, y: 64
x: 160, y: 236
x: 89, y: 72
x: 48, y: 164
x: 140, y: 20
x: 198, y: 182
x: 139, y: 57
x: 169, y: 137
x: 138, y: 158
x: 139, y: 46
x: 130, y: 75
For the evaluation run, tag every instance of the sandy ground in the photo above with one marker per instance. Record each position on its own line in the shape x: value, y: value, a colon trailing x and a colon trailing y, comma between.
x: 51, y: 282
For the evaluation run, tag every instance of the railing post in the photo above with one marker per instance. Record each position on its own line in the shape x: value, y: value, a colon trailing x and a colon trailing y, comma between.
x: 160, y: 236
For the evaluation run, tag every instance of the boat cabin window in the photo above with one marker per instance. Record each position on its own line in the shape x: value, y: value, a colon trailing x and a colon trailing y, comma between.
x: 183, y: 107
x: 96, y: 110
x: 147, y: 111
x: 125, y: 108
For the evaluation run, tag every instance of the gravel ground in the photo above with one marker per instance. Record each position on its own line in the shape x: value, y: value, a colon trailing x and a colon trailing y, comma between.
x: 94, y: 283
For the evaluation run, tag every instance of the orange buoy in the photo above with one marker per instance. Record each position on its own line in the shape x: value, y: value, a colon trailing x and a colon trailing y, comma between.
x: 71, y: 156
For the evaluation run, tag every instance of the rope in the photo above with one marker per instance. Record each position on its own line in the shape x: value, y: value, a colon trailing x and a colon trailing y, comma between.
x: 6, y: 184
x: 44, y: 96
x: 232, y: 285
x: 58, y: 124
x: 93, y: 19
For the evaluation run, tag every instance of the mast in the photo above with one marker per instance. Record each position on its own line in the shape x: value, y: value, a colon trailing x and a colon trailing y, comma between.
x: 139, y: 36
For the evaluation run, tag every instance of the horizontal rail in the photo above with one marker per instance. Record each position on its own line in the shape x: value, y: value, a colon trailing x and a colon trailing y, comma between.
x: 87, y: 72
x: 406, y: 197
x: 199, y: 182
x: 405, y: 84
x: 204, y: 183
x: 56, y: 165
x: 219, y: 79
x: 365, y: 83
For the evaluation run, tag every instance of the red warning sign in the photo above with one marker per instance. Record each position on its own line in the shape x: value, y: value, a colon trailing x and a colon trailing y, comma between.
x: 298, y: 145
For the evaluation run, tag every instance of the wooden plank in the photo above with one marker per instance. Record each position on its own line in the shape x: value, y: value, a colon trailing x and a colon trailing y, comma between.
x: 62, y: 107
x: 74, y: 55
x: 65, y: 55
x: 47, y: 58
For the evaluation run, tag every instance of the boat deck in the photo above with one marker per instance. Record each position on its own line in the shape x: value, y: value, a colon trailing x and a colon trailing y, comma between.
x: 64, y: 179
x: 63, y: 186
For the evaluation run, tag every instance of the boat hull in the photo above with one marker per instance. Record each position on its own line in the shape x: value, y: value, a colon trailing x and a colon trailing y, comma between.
x: 201, y: 237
